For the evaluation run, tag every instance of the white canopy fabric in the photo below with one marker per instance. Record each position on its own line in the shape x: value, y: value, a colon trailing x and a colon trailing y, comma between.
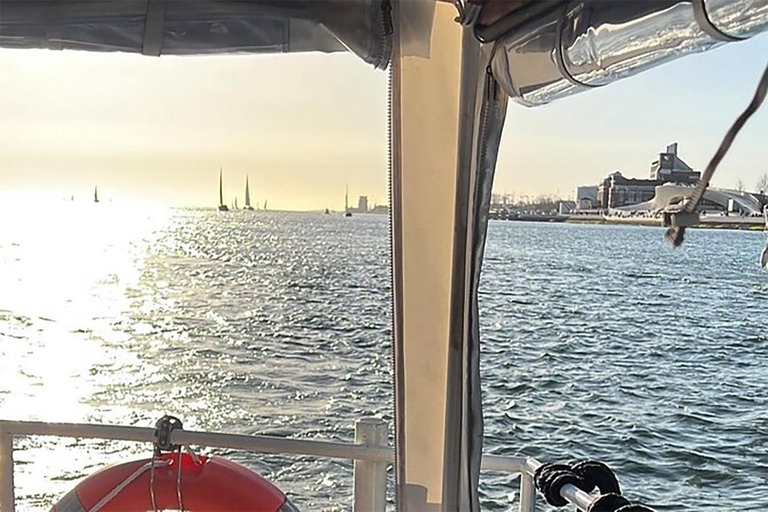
x: 447, y: 116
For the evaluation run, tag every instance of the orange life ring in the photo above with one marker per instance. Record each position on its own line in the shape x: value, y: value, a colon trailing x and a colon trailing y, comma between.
x: 206, y: 484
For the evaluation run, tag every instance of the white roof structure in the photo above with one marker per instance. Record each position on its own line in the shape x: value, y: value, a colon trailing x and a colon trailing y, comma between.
x: 670, y: 194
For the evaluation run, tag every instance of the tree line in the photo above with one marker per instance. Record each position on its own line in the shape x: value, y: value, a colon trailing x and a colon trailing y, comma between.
x: 761, y: 187
x: 538, y: 202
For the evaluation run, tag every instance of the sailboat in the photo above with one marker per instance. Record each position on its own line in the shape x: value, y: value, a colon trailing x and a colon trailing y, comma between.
x: 265, y: 205
x: 347, y: 213
x: 222, y: 206
x: 96, y: 194
x: 247, y: 196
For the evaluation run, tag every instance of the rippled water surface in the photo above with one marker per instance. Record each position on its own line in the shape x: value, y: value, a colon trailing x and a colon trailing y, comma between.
x: 598, y: 342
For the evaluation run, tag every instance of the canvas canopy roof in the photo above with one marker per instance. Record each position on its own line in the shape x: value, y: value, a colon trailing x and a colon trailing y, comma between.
x: 182, y: 27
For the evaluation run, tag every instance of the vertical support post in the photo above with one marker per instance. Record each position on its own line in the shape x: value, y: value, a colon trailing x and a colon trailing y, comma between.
x: 370, y: 476
x: 7, y: 499
x: 527, y: 493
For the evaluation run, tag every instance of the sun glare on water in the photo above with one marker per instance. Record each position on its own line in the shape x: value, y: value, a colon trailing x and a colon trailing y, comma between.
x: 65, y: 271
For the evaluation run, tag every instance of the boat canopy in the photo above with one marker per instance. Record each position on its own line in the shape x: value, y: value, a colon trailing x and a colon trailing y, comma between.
x: 543, y: 49
x: 453, y: 66
x: 181, y: 27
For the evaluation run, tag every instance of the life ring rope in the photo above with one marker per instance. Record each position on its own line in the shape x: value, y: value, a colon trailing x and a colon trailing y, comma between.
x: 210, y: 483
x: 125, y: 483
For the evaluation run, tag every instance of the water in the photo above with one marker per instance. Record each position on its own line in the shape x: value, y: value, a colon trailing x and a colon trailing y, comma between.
x: 599, y: 342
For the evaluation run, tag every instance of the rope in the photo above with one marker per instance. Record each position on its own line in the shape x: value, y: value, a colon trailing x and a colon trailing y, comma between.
x: 178, y: 478
x: 152, y: 483
x: 192, y: 453
x: 675, y: 234
x: 164, y: 427
x: 125, y: 483
x: 163, y: 430
x: 178, y: 483
x: 597, y: 475
x: 608, y: 503
x: 586, y: 476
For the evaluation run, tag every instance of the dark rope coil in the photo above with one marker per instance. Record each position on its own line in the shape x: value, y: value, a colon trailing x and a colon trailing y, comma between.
x: 587, y: 476
x: 550, y: 479
x: 597, y: 475
x: 542, y: 474
x: 608, y: 503
x: 556, y: 482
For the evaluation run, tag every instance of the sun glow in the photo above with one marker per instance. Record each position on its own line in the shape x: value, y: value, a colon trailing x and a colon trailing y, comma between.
x: 65, y: 271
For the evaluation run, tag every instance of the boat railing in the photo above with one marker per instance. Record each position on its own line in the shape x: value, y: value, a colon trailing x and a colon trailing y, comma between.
x: 370, y: 452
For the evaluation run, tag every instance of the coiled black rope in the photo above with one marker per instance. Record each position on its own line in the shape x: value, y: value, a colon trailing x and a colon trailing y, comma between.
x: 550, y: 481
x: 597, y: 475
x: 587, y: 476
x: 608, y: 503
x: 676, y: 232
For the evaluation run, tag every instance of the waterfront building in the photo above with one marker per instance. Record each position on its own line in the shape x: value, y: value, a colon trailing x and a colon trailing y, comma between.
x: 617, y: 191
x: 586, y: 197
x: 381, y: 209
x: 362, y: 204
x: 565, y: 207
x: 671, y: 168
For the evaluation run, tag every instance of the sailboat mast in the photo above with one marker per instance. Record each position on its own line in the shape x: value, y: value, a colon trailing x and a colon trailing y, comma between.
x: 247, y: 194
x: 346, y: 199
x: 221, y: 188
x: 96, y: 194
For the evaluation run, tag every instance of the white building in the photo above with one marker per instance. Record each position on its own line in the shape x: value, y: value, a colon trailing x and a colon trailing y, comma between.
x: 714, y: 200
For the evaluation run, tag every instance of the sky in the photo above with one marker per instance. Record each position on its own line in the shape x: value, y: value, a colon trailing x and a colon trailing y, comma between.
x: 303, y: 127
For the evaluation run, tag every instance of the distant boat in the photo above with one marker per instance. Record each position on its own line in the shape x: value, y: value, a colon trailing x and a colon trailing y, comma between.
x: 265, y: 205
x: 247, y: 196
x: 347, y: 213
x: 222, y: 206
x: 96, y: 194
x: 327, y: 211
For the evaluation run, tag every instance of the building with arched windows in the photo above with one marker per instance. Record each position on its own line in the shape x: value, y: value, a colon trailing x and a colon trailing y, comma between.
x: 616, y: 190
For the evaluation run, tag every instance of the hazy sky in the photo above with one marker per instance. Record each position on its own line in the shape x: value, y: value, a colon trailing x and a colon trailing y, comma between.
x: 304, y: 126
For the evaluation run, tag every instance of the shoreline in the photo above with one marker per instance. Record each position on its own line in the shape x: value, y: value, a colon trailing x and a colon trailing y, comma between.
x: 732, y: 223
x: 743, y: 224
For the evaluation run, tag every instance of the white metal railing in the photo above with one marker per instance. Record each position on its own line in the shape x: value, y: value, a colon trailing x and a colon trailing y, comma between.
x: 370, y: 452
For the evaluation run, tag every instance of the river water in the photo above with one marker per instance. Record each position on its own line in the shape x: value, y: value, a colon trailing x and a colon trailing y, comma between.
x: 598, y: 342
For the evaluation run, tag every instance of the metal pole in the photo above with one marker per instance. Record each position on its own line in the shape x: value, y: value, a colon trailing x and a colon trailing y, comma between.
x: 576, y: 496
x: 527, y: 493
x: 370, y: 476
x: 6, y: 471
x: 261, y: 444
